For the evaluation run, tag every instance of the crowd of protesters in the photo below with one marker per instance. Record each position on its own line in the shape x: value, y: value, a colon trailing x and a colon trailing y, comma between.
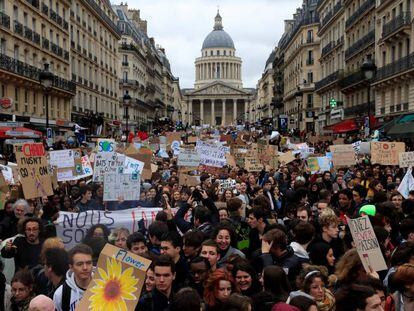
x: 277, y: 240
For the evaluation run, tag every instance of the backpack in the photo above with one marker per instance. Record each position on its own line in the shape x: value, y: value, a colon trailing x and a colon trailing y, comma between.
x: 66, y: 292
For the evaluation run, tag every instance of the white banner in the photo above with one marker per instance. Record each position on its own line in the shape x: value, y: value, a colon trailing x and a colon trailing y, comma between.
x: 72, y: 227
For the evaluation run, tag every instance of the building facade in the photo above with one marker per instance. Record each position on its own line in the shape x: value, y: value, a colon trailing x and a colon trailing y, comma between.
x: 218, y: 96
x: 34, y: 33
x: 265, y: 90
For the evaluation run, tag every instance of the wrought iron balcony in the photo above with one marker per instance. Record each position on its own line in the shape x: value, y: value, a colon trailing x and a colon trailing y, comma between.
x: 104, y: 16
x: 36, y: 38
x: 28, y: 33
x: 309, y: 61
x: 79, y: 48
x: 360, y: 109
x: 304, y: 21
x: 65, y: 25
x: 45, y: 43
x: 326, y: 49
x: 362, y: 43
x: 352, y: 79
x: 72, y: 44
x: 124, y: 63
x: 66, y: 55
x: 404, y: 19
x: 53, y: 15
x: 368, y: 4
x: 401, y: 65
x: 30, y: 72
x: 18, y: 28
x: 59, y: 19
x: 4, y: 20
x: 328, y: 80
x: 45, y: 9
x: 34, y: 3
x: 331, y: 13
x: 53, y: 48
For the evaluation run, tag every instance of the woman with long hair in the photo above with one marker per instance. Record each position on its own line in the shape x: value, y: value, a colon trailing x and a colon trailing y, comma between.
x: 218, y: 288
x: 225, y: 237
x: 275, y: 281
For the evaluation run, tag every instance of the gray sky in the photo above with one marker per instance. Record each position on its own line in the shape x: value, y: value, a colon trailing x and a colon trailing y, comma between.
x: 180, y: 26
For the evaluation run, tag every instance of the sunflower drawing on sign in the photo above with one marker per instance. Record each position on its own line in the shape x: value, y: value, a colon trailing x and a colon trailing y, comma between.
x: 113, y: 287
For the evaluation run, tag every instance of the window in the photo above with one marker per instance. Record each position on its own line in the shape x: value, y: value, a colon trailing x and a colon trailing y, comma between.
x: 125, y: 58
x: 16, y: 52
x: 125, y: 75
x: 34, y: 24
x: 218, y: 52
x: 26, y: 99
x: 310, y: 101
x: 25, y: 19
x: 310, y: 77
x: 16, y: 99
x: 310, y: 58
x: 15, y: 13
x: 224, y: 52
x: 211, y: 53
x: 309, y: 37
x: 3, y: 46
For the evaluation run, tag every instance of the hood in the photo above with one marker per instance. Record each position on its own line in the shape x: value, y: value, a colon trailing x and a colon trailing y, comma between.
x: 70, y: 279
x: 299, y: 250
x: 299, y: 293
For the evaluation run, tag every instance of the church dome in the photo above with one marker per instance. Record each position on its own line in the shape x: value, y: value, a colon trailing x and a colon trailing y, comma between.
x: 218, y: 38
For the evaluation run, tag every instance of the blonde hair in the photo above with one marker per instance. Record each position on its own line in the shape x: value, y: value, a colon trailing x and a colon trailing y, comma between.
x: 50, y: 243
x: 116, y: 232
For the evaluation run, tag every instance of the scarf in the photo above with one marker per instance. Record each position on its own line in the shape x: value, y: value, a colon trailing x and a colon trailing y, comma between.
x: 328, y: 303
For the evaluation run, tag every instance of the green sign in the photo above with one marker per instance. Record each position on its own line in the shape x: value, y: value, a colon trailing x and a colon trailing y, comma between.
x: 333, y: 103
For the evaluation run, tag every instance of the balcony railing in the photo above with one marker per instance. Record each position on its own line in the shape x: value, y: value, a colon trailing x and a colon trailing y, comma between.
x: 53, y: 15
x: 17, y: 67
x: 368, y: 4
x: 326, y: 49
x: 4, y: 20
x: 362, y: 43
x: 34, y: 3
x: 28, y: 33
x: 18, y: 28
x: 66, y: 55
x: 404, y: 19
x: 45, y: 9
x: 331, y: 13
x: 360, y: 109
x: 352, y: 79
x: 104, y: 16
x: 65, y: 25
x: 36, y: 38
x: 309, y: 61
x: 304, y: 21
x: 396, y: 67
x: 45, y: 43
x: 124, y: 63
x: 328, y: 80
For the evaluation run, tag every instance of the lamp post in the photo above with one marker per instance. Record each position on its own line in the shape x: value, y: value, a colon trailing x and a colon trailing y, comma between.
x: 369, y: 70
x: 126, y: 100
x: 46, y: 80
x: 299, y: 98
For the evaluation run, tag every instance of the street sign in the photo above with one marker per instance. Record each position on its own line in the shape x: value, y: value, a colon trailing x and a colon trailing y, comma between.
x: 333, y: 103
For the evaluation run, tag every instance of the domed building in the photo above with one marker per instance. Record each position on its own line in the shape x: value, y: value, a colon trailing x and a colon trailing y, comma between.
x: 218, y: 96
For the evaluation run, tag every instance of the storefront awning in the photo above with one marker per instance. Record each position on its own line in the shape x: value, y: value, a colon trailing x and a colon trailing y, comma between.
x: 402, y: 127
x: 344, y: 126
x: 18, y: 132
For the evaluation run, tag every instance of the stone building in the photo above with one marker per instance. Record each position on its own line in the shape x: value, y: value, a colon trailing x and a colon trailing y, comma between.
x: 218, y: 96
x: 34, y: 33
x: 265, y: 91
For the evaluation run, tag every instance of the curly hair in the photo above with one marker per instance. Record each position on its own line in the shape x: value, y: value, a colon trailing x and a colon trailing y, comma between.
x: 308, y: 274
x: 348, y: 267
x: 211, y: 285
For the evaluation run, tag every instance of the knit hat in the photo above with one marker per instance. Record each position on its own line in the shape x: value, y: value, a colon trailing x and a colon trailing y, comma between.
x: 369, y: 210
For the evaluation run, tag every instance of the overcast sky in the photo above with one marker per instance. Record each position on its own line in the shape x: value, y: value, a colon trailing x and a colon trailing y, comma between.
x: 180, y: 26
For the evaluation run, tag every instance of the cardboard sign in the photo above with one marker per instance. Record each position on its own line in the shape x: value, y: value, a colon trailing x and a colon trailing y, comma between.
x: 366, y: 243
x: 339, y: 141
x: 342, y: 155
x: 33, y: 170
x: 406, y: 159
x: 125, y: 186
x: 286, y: 157
x: 319, y: 164
x: 118, y: 281
x: 173, y: 136
x: 192, y: 139
x: 230, y: 160
x: 212, y: 154
x: 72, y: 227
x: 386, y: 153
x: 62, y: 158
x: 188, y: 180
x: 407, y: 183
x: 252, y: 164
x: 188, y: 158
x: 107, y: 163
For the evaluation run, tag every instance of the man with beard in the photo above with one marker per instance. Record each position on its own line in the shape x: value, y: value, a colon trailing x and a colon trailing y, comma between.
x: 25, y: 249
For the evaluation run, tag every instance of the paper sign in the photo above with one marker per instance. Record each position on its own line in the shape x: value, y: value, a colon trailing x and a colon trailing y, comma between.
x: 227, y: 183
x: 407, y: 184
x: 188, y: 180
x: 342, y: 155
x: 386, y: 153
x: 212, y: 154
x: 230, y: 160
x: 172, y: 136
x: 286, y: 157
x: 62, y: 158
x: 339, y: 141
x: 252, y: 164
x: 107, y: 163
x: 125, y: 186
x: 357, y: 146
x: 366, y: 243
x: 106, y: 145
x: 119, y: 270
x: 33, y: 170
x: 188, y: 158
x: 133, y: 166
x: 406, y: 159
x: 7, y: 172
x: 319, y: 164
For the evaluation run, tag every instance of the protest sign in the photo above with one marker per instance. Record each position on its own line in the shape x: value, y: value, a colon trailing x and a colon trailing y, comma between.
x: 227, y: 183
x: 7, y: 173
x: 339, y: 141
x: 366, y: 243
x: 365, y: 148
x: 106, y: 145
x: 212, y: 154
x: 230, y: 160
x: 188, y: 158
x: 188, y: 180
x: 342, y: 155
x: 319, y: 164
x: 192, y: 139
x: 62, y: 158
x: 125, y: 186
x: 131, y: 150
x: 286, y: 157
x: 252, y: 164
x: 33, y: 170
x: 386, y: 153
x: 118, y: 281
x: 406, y: 159
x: 407, y: 184
x: 133, y: 166
x: 357, y: 146
x: 172, y: 136
x: 67, y: 173
x: 72, y: 227
x: 107, y: 163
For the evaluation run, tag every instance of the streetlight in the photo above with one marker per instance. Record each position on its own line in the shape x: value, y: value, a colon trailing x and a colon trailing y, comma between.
x: 126, y: 100
x: 299, y: 98
x: 46, y: 80
x: 369, y: 70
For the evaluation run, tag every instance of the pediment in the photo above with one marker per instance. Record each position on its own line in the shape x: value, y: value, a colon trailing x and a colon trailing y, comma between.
x: 219, y: 88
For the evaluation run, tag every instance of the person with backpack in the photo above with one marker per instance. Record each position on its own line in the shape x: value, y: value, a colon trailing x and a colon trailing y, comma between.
x: 78, y: 277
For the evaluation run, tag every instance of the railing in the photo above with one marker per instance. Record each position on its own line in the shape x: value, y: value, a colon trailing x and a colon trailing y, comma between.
x: 28, y: 33
x: 360, y: 109
x: 400, y: 65
x: 34, y: 3
x: 17, y: 67
x: 404, y: 19
x: 53, y: 15
x: 45, y: 9
x: 59, y: 19
x: 65, y: 25
x: 365, y: 41
x: 304, y: 21
x: 328, y: 80
x: 124, y: 63
x: 331, y: 13
x: 36, y: 38
x: 66, y: 55
x: 351, y: 79
x: 359, y: 12
x: 45, y: 43
x: 103, y: 15
x: 18, y: 28
x: 4, y: 20
x: 309, y: 61
x: 327, y: 48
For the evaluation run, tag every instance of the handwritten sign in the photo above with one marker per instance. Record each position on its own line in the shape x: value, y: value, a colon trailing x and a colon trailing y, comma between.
x: 72, y: 227
x: 133, y: 166
x: 188, y: 180
x: 7, y: 173
x: 62, y: 158
x: 227, y: 183
x: 366, y: 243
x: 106, y: 145
x: 212, y: 154
x: 406, y: 159
x: 107, y: 163
x: 125, y: 186
x: 33, y: 170
x: 386, y: 153
x: 342, y: 155
x: 286, y: 157
x: 252, y: 164
x: 120, y: 270
x: 319, y: 164
x: 188, y: 158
